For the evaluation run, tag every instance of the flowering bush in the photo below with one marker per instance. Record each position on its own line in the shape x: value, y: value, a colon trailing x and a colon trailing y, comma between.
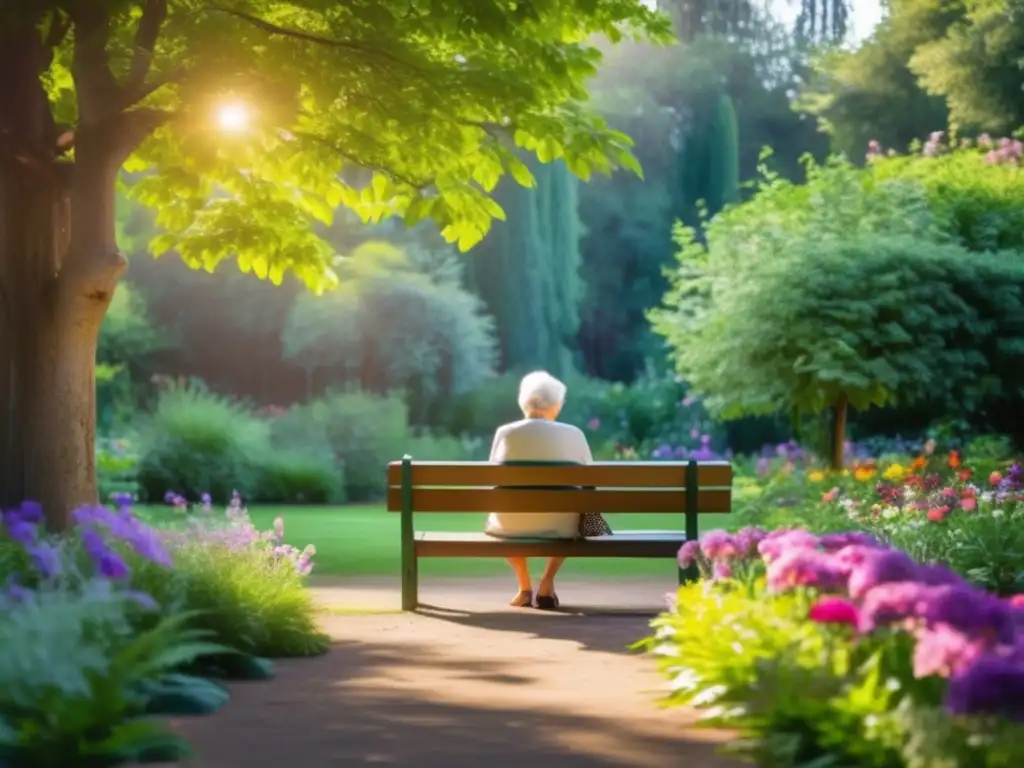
x: 948, y: 515
x: 245, y: 586
x: 840, y: 650
x: 78, y: 681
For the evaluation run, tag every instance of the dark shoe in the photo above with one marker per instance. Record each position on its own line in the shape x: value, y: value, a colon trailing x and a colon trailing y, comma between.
x: 547, y: 602
x: 523, y: 600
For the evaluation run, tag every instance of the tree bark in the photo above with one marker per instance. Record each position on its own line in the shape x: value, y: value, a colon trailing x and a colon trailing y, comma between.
x: 60, y: 269
x: 838, y: 434
x: 59, y: 266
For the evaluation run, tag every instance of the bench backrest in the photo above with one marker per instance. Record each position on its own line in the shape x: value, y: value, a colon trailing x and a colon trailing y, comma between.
x: 670, y: 487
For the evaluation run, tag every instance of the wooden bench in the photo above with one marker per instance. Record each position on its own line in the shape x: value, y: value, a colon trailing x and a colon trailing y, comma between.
x: 688, y: 489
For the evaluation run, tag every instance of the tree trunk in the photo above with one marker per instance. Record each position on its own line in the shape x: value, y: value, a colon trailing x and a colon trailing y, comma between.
x: 838, y: 436
x: 60, y: 266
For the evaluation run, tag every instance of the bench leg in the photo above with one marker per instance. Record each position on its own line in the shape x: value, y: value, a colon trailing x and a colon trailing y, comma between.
x: 410, y: 584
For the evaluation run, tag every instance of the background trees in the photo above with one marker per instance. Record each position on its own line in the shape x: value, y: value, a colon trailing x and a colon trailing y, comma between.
x: 388, y: 108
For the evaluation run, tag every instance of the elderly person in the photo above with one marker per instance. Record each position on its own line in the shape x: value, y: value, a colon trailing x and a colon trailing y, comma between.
x: 539, y: 437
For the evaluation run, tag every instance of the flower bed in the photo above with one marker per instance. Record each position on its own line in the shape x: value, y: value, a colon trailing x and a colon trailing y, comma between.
x: 840, y: 650
x: 117, y: 623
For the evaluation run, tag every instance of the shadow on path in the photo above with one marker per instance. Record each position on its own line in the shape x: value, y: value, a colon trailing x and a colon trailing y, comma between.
x: 518, y: 688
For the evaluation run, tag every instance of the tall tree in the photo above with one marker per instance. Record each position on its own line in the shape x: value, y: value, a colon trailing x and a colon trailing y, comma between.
x: 527, y: 271
x: 430, y: 95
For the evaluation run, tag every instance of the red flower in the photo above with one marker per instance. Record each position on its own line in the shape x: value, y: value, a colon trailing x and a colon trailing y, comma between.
x: 938, y: 514
x: 995, y: 478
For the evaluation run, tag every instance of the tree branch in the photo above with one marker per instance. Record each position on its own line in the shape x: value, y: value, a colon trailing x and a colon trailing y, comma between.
x: 297, y: 34
x: 133, y: 127
x: 153, y: 15
x: 95, y: 84
x: 418, y: 185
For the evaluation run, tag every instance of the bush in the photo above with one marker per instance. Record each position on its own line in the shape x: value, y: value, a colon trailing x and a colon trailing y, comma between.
x: 299, y: 477
x: 86, y: 656
x: 116, y: 468
x: 836, y: 650
x: 361, y: 431
x: 198, y: 442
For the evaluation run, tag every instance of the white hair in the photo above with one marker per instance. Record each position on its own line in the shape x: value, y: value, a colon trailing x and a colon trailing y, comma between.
x: 540, y: 392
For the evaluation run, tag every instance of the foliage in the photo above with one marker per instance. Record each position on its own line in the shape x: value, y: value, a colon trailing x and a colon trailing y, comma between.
x: 973, y: 187
x: 671, y: 101
x: 433, y: 143
x: 836, y: 650
x: 80, y: 675
x: 116, y: 467
x: 299, y: 477
x: 840, y: 289
x: 246, y: 587
x: 390, y: 326
x: 360, y: 430
x: 870, y: 93
x: 196, y: 441
x: 527, y: 271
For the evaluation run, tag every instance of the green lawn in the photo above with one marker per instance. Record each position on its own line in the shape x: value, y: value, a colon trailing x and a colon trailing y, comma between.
x: 363, y: 540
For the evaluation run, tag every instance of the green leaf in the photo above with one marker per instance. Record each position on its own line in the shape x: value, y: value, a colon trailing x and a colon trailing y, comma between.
x: 520, y: 172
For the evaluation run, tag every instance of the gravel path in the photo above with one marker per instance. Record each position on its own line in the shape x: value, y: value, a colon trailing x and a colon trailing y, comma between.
x: 464, y: 684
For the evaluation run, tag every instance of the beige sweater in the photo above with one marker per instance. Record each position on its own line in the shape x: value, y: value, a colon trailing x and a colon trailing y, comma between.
x: 537, y: 440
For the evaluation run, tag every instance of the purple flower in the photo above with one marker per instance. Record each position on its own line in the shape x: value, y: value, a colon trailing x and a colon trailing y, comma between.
x: 718, y: 545
x: 46, y: 559
x: 107, y: 562
x: 970, y: 610
x: 876, y: 566
x: 21, y: 531
x: 121, y: 499
x: 990, y: 686
x: 833, y: 542
x: 804, y: 568
x: 688, y: 553
x: 16, y: 593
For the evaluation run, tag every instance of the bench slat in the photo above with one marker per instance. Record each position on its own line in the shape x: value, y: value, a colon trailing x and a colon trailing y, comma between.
x: 632, y: 544
x: 521, y: 500
x: 615, y: 474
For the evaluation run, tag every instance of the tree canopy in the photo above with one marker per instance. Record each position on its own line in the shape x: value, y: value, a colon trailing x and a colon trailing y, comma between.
x: 266, y: 116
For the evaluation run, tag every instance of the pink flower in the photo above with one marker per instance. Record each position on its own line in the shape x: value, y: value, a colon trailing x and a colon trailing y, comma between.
x: 804, y: 568
x: 831, y: 496
x: 722, y: 570
x: 778, y: 542
x: 968, y: 504
x: 938, y: 514
x: 834, y: 610
x: 995, y: 478
x: 594, y: 424
x: 944, y: 651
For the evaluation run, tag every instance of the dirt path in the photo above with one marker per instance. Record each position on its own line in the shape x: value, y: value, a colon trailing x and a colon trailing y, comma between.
x: 449, y: 688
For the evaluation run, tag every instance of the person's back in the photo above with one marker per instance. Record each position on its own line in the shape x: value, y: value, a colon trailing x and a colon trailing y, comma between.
x: 536, y: 439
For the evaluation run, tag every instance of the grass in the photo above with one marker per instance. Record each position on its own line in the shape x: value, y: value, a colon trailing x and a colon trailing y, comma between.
x: 364, y: 541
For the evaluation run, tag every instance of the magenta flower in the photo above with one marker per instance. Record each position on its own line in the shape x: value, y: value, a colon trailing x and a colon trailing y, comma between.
x: 833, y: 542
x: 892, y: 603
x: 835, y: 610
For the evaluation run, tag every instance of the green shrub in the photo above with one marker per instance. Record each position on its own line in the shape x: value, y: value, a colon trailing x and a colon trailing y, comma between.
x: 299, y: 477
x: 363, y: 432
x: 76, y: 677
x: 116, y: 468
x: 198, y: 442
